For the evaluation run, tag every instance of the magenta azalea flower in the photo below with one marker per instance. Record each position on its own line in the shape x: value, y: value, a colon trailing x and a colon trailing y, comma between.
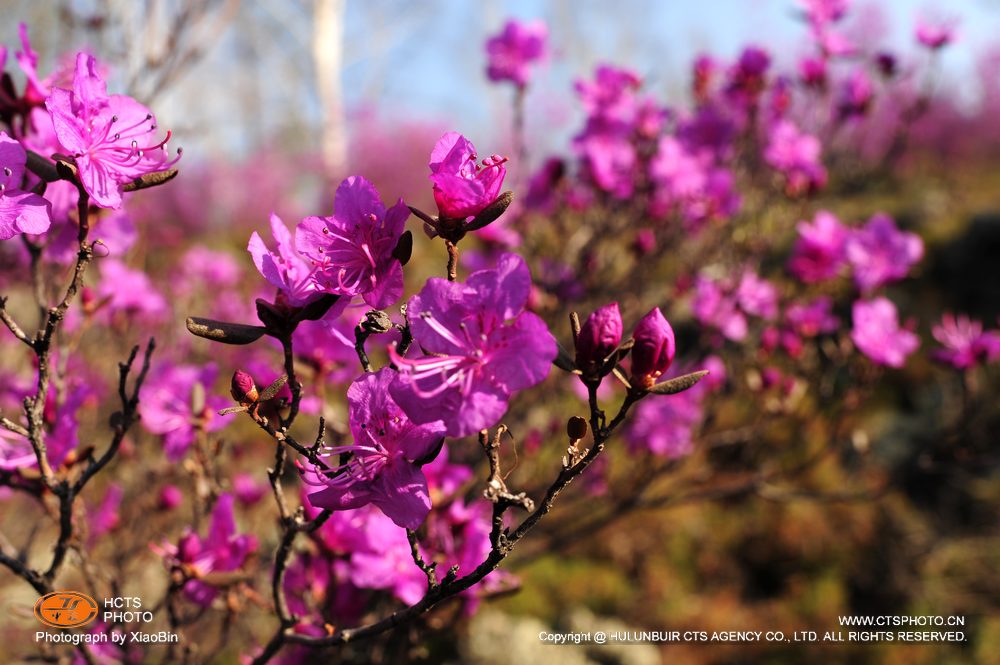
x: 797, y: 156
x: 461, y: 188
x: 110, y: 137
x: 514, y: 49
x: 168, y: 406
x: 352, y: 251
x: 223, y: 550
x: 812, y: 319
x: 819, y: 251
x: 965, y: 344
x: 877, y: 333
x: 388, y: 450
x: 934, y: 35
x: 20, y: 212
x: 475, y: 361
x: 285, y: 268
x: 880, y: 253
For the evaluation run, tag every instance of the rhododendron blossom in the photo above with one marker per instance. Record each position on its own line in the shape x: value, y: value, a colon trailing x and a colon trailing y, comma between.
x: 819, y: 250
x: 965, y: 343
x: 388, y: 450
x: 462, y: 188
x: 877, y: 334
x: 880, y: 253
x: 222, y: 550
x: 284, y: 268
x: 475, y: 360
x: 20, y: 212
x: 110, y: 137
x: 170, y: 406
x: 352, y: 252
x: 512, y: 51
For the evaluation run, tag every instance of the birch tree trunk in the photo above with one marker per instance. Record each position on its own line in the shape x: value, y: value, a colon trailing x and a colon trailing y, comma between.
x: 328, y: 55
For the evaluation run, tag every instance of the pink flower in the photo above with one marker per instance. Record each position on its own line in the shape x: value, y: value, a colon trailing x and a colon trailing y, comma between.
x: 512, y: 51
x: 856, y: 94
x: 110, y: 137
x: 814, y: 318
x: 353, y: 251
x: 653, y: 351
x: 797, y: 156
x: 880, y: 253
x: 476, y: 360
x: 599, y: 335
x: 934, y: 35
x: 285, y: 268
x: 819, y: 251
x: 965, y: 344
x: 168, y: 402
x: 222, y: 550
x: 20, y: 212
x: 877, y: 333
x: 757, y: 296
x: 388, y: 451
x: 463, y: 189
x: 139, y: 301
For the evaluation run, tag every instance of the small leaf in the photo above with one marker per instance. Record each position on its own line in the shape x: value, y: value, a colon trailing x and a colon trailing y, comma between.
x: 317, y: 309
x: 221, y: 331
x: 404, y: 248
x: 492, y: 212
x: 150, y: 180
x: 564, y: 360
x: 679, y: 384
x: 272, y: 317
x: 232, y: 409
x: 273, y: 389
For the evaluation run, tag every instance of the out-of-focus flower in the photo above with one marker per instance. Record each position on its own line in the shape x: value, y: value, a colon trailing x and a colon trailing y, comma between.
x: 514, y: 49
x: 139, y: 301
x: 717, y: 308
x: 877, y: 334
x: 599, y: 335
x: 476, y: 360
x: 796, y: 155
x: 855, y: 95
x: 654, y: 348
x: 666, y: 427
x: 168, y: 403
x: 111, y: 137
x: 386, y: 454
x: 247, y: 489
x: 171, y: 496
x: 285, y: 268
x: 880, y: 253
x: 748, y: 77
x: 353, y: 251
x: 813, y: 318
x: 812, y: 72
x: 20, y: 212
x: 462, y: 188
x: 965, y: 343
x: 222, y: 550
x: 934, y: 35
x: 819, y: 251
x: 757, y: 296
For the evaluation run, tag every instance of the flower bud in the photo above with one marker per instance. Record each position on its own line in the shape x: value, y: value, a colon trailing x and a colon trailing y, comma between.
x: 599, y: 335
x: 653, y: 351
x: 244, y: 390
x: 576, y: 428
x: 170, y: 497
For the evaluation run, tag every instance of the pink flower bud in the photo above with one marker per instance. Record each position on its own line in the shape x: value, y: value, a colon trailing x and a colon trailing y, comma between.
x: 170, y: 497
x: 653, y: 351
x: 600, y: 334
x: 244, y: 390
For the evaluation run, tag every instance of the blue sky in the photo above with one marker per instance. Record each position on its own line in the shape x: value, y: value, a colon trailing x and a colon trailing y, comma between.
x: 425, y: 60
